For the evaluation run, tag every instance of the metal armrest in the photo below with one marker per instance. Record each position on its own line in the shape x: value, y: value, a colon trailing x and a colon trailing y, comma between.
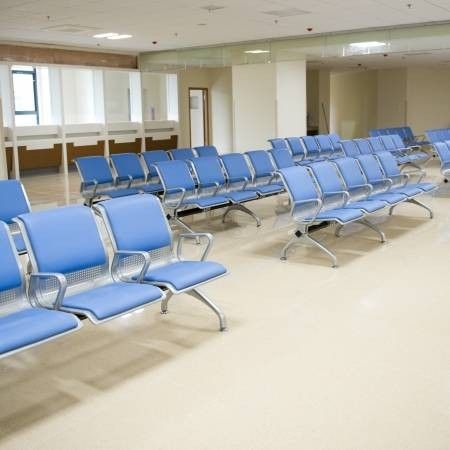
x: 115, y: 268
x: 183, y: 236
x: 34, y: 287
x: 345, y: 195
x: 128, y: 178
x: 383, y: 180
x: 233, y: 180
x: 316, y: 201
x: 173, y: 190
x: 367, y: 186
x: 84, y: 184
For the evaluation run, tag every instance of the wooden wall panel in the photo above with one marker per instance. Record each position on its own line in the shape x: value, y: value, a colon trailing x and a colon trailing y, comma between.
x: 40, y: 159
x: 74, y: 151
x: 45, y: 55
x: 125, y: 147
x: 161, y: 144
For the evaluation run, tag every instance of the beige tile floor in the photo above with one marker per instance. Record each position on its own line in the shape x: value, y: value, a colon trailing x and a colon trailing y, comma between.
x: 354, y: 358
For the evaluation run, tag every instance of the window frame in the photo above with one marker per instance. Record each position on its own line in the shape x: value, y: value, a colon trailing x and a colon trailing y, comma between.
x: 30, y: 112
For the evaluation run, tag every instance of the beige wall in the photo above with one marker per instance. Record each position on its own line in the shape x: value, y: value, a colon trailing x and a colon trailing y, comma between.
x: 391, y: 98
x: 353, y: 103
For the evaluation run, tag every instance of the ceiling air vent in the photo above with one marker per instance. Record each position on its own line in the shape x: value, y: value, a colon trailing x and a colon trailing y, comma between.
x: 286, y: 12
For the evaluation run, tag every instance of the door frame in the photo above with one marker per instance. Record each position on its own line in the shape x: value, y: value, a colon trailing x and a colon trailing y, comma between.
x: 205, y: 113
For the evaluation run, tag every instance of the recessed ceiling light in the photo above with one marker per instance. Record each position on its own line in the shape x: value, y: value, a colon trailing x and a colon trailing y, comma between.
x: 368, y: 44
x: 120, y: 36
x: 257, y: 52
x: 105, y: 35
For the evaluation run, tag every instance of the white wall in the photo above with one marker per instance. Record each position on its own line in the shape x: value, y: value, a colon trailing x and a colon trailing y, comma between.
x: 154, y: 93
x: 392, y: 98
x: 117, y: 92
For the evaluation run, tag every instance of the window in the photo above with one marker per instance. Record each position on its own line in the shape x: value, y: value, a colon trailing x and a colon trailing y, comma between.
x: 25, y: 95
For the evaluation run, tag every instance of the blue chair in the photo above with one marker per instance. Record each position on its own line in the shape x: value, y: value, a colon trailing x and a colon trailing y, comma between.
x: 211, y: 181
x: 278, y: 143
x: 376, y: 144
x: 265, y: 176
x: 70, y: 266
x: 413, y: 153
x: 297, y: 149
x: 326, y: 146
x: 206, y: 150
x: 336, y: 142
x: 180, y: 191
x: 350, y: 148
x: 443, y: 152
x: 151, y: 157
x: 129, y: 169
x: 312, y: 148
x: 358, y: 185
x: 282, y: 158
x: 128, y: 227
x: 307, y: 209
x: 13, y: 202
x: 377, y: 178
x: 364, y: 146
x: 23, y: 326
x: 182, y: 154
x: 97, y: 181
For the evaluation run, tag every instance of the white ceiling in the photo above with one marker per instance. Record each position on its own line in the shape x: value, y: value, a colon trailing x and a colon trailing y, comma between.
x: 175, y: 23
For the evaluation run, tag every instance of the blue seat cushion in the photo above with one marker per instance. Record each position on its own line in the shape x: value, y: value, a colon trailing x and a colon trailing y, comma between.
x: 426, y: 187
x: 32, y: 325
x: 185, y: 274
x: 369, y: 206
x: 112, y: 299
x: 403, y: 159
x: 152, y: 188
x: 341, y: 214
x: 389, y: 197
x: 409, y: 190
x: 241, y: 196
x: 207, y: 202
x: 418, y: 156
x: 19, y: 242
x: 269, y: 189
x: 115, y: 193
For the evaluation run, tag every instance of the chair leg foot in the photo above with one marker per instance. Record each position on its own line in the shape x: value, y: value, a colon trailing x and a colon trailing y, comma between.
x: 165, y: 303
x: 206, y: 301
x: 418, y: 203
x: 373, y: 227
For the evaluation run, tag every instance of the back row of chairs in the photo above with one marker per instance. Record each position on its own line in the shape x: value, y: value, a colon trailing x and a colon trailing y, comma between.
x: 438, y: 135
x: 404, y: 132
x: 71, y: 274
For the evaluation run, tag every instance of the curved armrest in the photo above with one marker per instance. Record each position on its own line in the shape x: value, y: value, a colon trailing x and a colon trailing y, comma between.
x: 128, y: 178
x: 85, y: 184
x: 173, y: 190
x: 115, y: 265
x: 183, y: 236
x: 237, y: 179
x: 344, y: 194
x: 317, y: 201
x: 367, y: 186
x: 34, y: 287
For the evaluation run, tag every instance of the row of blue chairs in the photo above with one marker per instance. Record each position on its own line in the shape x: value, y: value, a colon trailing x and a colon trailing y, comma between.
x: 391, y: 143
x: 305, y: 149
x: 438, y: 135
x: 71, y: 274
x: 345, y: 190
x: 405, y: 133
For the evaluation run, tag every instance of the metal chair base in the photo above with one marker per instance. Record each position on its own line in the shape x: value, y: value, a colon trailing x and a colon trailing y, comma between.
x: 244, y: 209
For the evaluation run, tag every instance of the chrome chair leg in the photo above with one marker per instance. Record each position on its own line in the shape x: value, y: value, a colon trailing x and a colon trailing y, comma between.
x: 206, y: 301
x: 416, y: 202
x: 373, y: 227
x: 323, y: 248
x: 184, y: 225
x: 338, y: 230
x: 239, y: 207
x: 165, y: 302
x: 291, y: 242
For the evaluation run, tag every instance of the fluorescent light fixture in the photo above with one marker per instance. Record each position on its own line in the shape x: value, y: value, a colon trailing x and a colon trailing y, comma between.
x: 257, y: 52
x: 104, y: 35
x: 120, y: 36
x: 369, y: 44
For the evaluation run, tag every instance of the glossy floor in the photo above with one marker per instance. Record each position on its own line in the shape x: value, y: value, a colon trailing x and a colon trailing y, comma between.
x: 354, y: 358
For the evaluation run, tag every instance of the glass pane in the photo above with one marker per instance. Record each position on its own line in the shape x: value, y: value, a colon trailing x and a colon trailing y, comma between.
x: 23, y: 120
x: 24, y: 92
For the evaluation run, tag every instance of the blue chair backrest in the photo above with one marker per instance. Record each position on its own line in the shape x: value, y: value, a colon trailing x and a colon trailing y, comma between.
x: 389, y: 164
x: 299, y: 183
x: 278, y: 143
x: 282, y: 158
x: 350, y: 148
x: 388, y: 143
x: 175, y: 174
x: 374, y: 133
x: 137, y: 223
x: 408, y: 133
x: 11, y: 275
x: 363, y: 146
x: 208, y: 171
x: 371, y: 168
x: 13, y: 200
x: 128, y: 165
x: 327, y: 176
x: 182, y: 154
x: 311, y: 144
x: 236, y: 167
x: 206, y: 150
x: 443, y: 151
x: 376, y: 144
x: 63, y: 240
x: 350, y: 171
x: 94, y: 168
x: 296, y: 146
x: 398, y: 141
x: 261, y: 162
x: 335, y: 140
x: 325, y: 143
x: 153, y: 156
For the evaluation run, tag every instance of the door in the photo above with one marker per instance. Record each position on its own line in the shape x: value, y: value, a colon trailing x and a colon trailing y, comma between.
x: 199, y: 116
